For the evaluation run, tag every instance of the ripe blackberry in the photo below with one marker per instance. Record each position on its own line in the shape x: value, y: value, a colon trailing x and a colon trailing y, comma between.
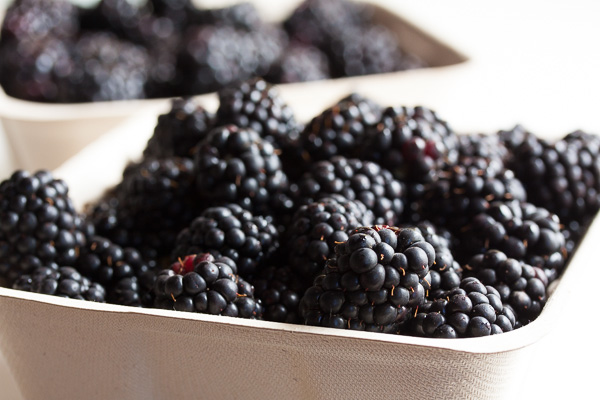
x: 38, y: 224
x: 480, y: 145
x: 466, y: 189
x: 339, y: 130
x: 147, y: 209
x: 213, y: 287
x: 182, y: 13
x: 521, y: 230
x: 235, y: 165
x: 374, y: 283
x: 413, y: 143
x: 445, y: 273
x: 243, y: 16
x: 316, y: 228
x: 120, y: 17
x: 563, y: 176
x: 179, y: 130
x: 63, y: 282
x: 299, y: 63
x: 472, y: 310
x: 520, y: 285
x: 121, y: 270
x: 355, y: 180
x: 107, y: 68
x: 279, y: 291
x: 258, y: 105
x: 233, y: 232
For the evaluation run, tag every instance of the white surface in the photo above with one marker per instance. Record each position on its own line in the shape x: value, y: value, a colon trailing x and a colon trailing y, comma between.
x: 535, y: 63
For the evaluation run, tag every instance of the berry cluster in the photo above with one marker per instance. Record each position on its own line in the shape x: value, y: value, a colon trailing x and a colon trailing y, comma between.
x: 368, y: 217
x: 55, y: 51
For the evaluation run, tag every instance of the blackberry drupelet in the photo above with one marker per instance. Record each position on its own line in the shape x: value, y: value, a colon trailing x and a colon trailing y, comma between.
x: 107, y: 68
x: 235, y: 165
x: 315, y: 230
x: 38, y: 224
x: 521, y: 230
x: 153, y: 202
x: 233, y: 232
x: 354, y: 179
x: 374, y: 283
x: 520, y: 285
x: 466, y: 189
x: 213, y: 287
x: 299, y: 63
x: 258, y: 105
x: 278, y: 290
x: 126, y: 276
x: 63, y: 281
x: 413, y: 143
x: 339, y: 130
x: 472, y: 310
x: 178, y: 131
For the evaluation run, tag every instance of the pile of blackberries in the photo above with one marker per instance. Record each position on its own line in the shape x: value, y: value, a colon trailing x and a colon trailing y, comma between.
x: 55, y: 51
x: 368, y: 217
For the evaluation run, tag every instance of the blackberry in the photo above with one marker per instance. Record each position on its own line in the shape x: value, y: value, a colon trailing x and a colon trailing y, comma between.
x: 120, y: 17
x: 316, y: 228
x: 299, y: 63
x: 213, y: 287
x: 147, y: 209
x: 373, y: 283
x: 38, y: 224
x: 233, y: 232
x: 466, y: 189
x: 355, y: 180
x: 127, y: 277
x: 107, y: 68
x: 520, y: 285
x: 63, y: 281
x: 179, y: 130
x: 413, y: 143
x: 258, y: 105
x: 279, y: 291
x: 521, y: 230
x: 472, y: 310
x: 478, y: 145
x: 235, y: 165
x: 339, y: 130
x: 181, y: 13
x: 445, y: 273
x: 243, y: 16
x: 563, y: 176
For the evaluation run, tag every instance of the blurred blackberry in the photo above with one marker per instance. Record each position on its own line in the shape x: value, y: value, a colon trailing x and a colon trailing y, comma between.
x: 445, y: 273
x: 316, y: 228
x: 490, y: 147
x: 520, y: 230
x: 472, y: 310
x: 243, y: 16
x: 39, y: 19
x: 340, y: 129
x: 164, y: 78
x: 35, y: 69
x: 38, y: 224
x: 235, y: 165
x: 363, y: 51
x: 317, y: 22
x: 213, y: 287
x: 299, y: 63
x: 513, y: 138
x: 258, y: 105
x: 519, y: 284
x: 120, y: 17
x: 563, y: 176
x: 230, y: 231
x: 107, y: 68
x: 466, y: 189
x: 63, y: 282
x: 354, y: 179
x: 122, y: 271
x: 373, y: 283
x: 179, y: 130
x: 148, y: 208
x: 279, y: 291
x: 413, y: 143
x: 181, y: 13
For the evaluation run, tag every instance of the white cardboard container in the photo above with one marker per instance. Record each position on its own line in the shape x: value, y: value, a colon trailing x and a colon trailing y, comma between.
x: 62, y: 348
x: 44, y: 135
